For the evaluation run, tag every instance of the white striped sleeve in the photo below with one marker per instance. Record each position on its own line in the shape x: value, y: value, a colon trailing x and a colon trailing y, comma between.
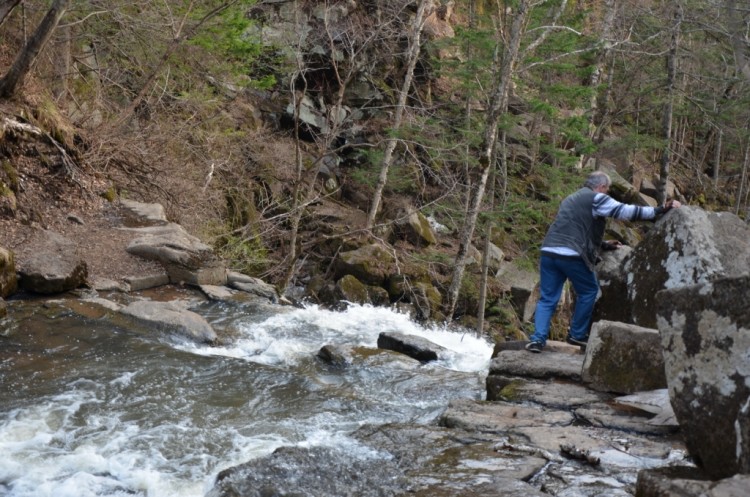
x: 606, y: 206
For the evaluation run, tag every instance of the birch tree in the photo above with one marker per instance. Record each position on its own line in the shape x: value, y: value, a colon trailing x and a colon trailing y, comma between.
x: 412, y: 56
x: 661, y: 194
x: 498, y: 106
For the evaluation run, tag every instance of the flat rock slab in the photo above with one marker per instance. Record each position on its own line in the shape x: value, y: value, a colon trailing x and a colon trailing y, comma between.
x: 500, y: 417
x: 172, y: 318
x: 541, y: 366
x: 627, y: 420
x: 557, y: 394
x: 435, y: 457
x: 654, y: 401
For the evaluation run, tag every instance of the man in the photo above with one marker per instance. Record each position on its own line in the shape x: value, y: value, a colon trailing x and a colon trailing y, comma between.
x: 570, y: 251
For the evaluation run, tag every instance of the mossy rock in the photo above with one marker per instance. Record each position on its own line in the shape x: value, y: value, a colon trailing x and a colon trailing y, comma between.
x: 352, y: 290
x: 8, y: 281
x: 8, y: 202
x: 371, y: 264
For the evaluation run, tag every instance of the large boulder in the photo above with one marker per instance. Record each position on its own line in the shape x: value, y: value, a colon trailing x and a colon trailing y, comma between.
x: 521, y: 285
x: 610, y: 306
x: 685, y: 247
x: 8, y: 280
x: 414, y: 346
x: 623, y: 358
x: 705, y: 336
x: 371, y: 264
x: 185, y: 258
x: 414, y: 227
x: 54, y: 265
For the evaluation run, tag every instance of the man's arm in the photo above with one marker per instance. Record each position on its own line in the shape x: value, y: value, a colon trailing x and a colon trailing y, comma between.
x: 606, y: 206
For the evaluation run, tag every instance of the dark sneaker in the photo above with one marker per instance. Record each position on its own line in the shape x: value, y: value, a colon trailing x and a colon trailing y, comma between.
x: 534, y: 347
x: 575, y: 341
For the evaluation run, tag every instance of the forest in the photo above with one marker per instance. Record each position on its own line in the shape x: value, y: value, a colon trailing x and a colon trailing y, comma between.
x: 243, y: 117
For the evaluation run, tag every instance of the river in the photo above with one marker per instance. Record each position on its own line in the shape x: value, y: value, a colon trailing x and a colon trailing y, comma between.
x: 93, y: 408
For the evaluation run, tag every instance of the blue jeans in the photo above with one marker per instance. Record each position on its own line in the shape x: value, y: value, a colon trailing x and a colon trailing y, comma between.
x: 552, y: 273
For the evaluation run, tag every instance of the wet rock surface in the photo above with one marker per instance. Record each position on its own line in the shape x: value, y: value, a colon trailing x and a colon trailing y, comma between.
x: 543, y: 433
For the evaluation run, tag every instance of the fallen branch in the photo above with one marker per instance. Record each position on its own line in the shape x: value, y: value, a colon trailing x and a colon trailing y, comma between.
x: 69, y: 165
x: 582, y: 455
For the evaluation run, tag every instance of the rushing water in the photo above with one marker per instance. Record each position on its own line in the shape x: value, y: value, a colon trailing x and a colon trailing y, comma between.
x: 90, y: 408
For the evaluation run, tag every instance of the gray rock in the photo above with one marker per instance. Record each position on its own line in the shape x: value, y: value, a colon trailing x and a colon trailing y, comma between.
x: 336, y: 355
x: 687, y: 246
x: 295, y: 471
x: 414, y: 227
x: 654, y: 402
x: 149, y: 212
x: 185, y: 258
x: 370, y: 264
x: 623, y: 358
x: 258, y: 287
x: 611, y: 306
x: 521, y: 284
x: 604, y: 415
x: 687, y: 482
x: 146, y: 281
x: 479, y: 465
x: 416, y: 347
x: 540, y: 366
x: 500, y: 417
x: 560, y: 396
x: 53, y: 266
x: 705, y: 336
x: 172, y: 318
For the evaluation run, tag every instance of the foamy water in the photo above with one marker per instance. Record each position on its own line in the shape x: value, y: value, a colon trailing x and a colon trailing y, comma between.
x: 141, y: 416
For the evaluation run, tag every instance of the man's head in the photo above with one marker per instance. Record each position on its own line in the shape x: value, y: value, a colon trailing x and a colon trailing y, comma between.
x: 598, y: 181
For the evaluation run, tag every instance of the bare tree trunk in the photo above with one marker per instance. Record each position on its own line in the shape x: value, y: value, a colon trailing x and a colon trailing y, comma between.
x: 412, y: 57
x: 661, y: 193
x: 745, y: 164
x: 603, y: 66
x: 717, y: 156
x: 15, y: 76
x: 63, y: 62
x: 498, y: 106
x: 737, y: 32
x: 6, y: 7
x: 487, y: 243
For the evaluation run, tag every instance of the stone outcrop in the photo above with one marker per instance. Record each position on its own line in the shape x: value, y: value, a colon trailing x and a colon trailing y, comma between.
x: 185, y: 258
x: 705, y: 335
x: 252, y: 285
x: 54, y: 265
x: 623, y: 358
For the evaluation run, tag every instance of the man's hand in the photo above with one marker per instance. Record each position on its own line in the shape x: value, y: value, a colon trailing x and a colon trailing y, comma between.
x: 672, y: 204
x: 611, y: 245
